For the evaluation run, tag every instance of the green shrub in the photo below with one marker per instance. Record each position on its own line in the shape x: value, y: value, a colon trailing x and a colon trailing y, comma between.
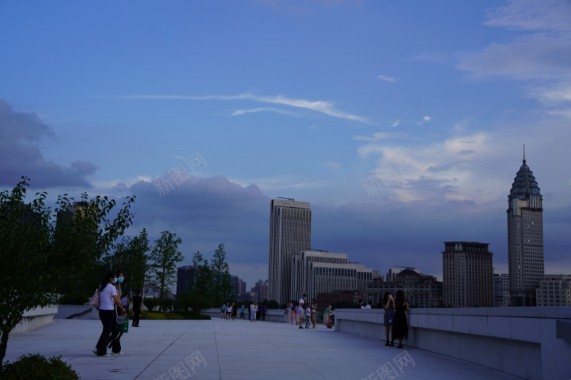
x: 151, y: 303
x: 35, y: 366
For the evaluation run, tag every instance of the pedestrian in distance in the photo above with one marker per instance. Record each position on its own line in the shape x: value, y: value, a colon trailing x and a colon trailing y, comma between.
x: 137, y: 305
x: 400, y: 323
x: 388, y: 305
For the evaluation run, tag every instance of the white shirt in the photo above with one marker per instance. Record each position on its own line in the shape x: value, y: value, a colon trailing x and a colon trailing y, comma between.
x: 106, y: 297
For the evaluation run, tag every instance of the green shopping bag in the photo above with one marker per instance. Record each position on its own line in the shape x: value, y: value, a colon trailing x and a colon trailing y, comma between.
x: 125, y: 326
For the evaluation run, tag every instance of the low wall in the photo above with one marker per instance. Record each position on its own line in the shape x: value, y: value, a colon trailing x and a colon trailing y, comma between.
x: 36, y: 317
x: 530, y: 342
x: 272, y: 315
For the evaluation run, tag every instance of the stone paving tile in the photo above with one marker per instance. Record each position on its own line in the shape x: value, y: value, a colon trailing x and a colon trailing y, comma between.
x: 235, y: 350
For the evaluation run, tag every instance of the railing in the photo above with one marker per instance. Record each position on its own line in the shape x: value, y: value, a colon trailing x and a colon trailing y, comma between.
x: 530, y: 342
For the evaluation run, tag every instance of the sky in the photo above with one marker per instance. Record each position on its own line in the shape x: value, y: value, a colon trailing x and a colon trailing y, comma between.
x: 401, y: 123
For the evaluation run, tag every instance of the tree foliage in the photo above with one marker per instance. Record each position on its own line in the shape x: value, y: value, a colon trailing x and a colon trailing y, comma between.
x: 131, y: 256
x: 25, y: 233
x: 220, y: 274
x: 164, y: 258
x: 85, y: 232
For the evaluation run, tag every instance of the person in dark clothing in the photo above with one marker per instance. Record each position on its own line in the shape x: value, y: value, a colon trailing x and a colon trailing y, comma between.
x: 108, y: 301
x: 137, y: 304
x: 389, y: 305
x: 117, y: 333
x: 400, y: 323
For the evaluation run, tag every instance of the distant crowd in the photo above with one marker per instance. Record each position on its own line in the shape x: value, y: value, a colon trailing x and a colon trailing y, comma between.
x: 303, y: 314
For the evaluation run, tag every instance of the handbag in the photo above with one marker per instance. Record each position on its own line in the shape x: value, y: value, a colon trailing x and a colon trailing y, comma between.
x: 94, y: 300
x: 121, y: 322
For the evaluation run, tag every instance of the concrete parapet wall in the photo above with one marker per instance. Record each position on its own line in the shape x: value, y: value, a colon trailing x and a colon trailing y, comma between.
x: 529, y: 342
x: 36, y: 317
x: 272, y: 315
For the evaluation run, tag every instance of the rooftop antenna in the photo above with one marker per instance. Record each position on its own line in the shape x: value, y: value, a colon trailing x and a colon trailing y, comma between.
x: 524, y: 153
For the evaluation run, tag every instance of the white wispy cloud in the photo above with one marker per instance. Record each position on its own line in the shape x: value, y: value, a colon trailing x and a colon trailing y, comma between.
x: 395, y: 123
x: 375, y: 137
x: 240, y: 112
x: 386, y: 78
x: 551, y: 15
x: 425, y: 119
x: 320, y: 106
x: 538, y: 55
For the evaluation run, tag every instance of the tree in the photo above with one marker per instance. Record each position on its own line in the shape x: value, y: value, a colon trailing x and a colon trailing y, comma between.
x: 164, y: 258
x: 25, y: 233
x: 131, y: 256
x: 85, y: 232
x: 221, y: 279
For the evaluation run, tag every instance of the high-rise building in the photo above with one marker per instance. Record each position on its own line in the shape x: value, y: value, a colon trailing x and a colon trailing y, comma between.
x: 185, y: 278
x: 290, y: 233
x: 525, y: 238
x: 467, y: 274
x: 501, y: 290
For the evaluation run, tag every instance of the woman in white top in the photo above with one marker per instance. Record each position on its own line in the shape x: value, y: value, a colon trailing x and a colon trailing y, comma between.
x: 108, y: 297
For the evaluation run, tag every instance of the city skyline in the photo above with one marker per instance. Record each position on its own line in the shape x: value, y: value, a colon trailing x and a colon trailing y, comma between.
x: 401, y: 124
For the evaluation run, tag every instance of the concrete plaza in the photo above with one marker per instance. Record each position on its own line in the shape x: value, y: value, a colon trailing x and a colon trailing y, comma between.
x: 239, y: 349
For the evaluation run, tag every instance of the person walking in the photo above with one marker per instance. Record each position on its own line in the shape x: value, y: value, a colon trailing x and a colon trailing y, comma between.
x: 242, y: 311
x: 313, y: 313
x: 326, y: 314
x: 137, y: 304
x: 252, y: 312
x: 108, y: 300
x: 400, y: 323
x: 389, y: 306
x: 117, y: 333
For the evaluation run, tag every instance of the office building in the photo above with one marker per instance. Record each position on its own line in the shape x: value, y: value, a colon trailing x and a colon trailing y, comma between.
x: 525, y: 237
x: 315, y: 272
x: 421, y: 290
x: 554, y: 290
x: 501, y: 289
x: 467, y: 274
x: 290, y: 233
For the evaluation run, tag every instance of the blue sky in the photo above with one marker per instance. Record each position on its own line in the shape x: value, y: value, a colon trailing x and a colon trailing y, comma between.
x: 401, y: 124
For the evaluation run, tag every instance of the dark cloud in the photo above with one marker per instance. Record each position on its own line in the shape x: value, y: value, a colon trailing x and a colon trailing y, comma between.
x: 20, y: 155
x: 207, y: 212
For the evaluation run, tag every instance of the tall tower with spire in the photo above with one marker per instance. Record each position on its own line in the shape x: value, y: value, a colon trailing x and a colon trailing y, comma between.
x: 525, y: 237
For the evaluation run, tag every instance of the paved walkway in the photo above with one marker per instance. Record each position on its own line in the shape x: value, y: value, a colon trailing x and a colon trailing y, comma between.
x: 234, y: 350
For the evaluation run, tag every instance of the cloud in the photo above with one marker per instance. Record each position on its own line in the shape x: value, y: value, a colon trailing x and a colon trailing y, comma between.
x: 425, y: 119
x: 241, y: 112
x: 20, y: 154
x: 375, y: 137
x: 547, y: 15
x: 395, y: 123
x: 320, y: 106
x: 386, y: 78
x: 205, y: 212
x: 539, y: 56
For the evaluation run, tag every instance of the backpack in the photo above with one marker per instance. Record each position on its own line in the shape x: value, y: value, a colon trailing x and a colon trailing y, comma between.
x: 94, y: 300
